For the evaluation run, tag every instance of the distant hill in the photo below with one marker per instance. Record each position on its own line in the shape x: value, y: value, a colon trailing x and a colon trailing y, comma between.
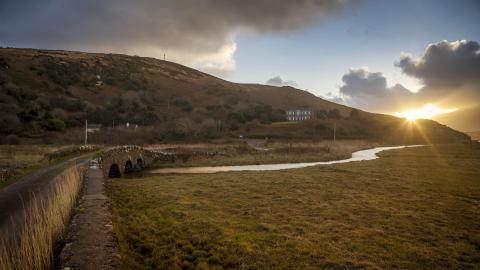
x: 475, y: 135
x: 465, y: 119
x: 47, y: 95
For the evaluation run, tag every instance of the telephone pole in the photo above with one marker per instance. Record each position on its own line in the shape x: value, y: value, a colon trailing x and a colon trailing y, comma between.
x: 86, y: 131
x: 334, y: 131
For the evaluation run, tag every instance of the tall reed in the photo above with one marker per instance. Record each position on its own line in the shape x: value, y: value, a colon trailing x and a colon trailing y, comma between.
x: 45, y: 221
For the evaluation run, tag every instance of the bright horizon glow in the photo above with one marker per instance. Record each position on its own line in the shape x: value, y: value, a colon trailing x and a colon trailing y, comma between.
x: 426, y: 112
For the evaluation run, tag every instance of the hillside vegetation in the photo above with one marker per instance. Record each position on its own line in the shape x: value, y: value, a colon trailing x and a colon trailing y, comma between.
x: 47, y: 96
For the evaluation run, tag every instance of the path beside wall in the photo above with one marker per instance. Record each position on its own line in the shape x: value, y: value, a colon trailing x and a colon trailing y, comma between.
x: 91, y: 243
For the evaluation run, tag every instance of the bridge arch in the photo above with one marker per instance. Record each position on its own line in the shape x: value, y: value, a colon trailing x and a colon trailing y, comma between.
x: 140, y: 163
x: 114, y: 171
x: 128, y: 166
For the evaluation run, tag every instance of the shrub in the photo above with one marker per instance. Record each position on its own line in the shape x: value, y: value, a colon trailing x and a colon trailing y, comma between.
x: 3, y: 78
x: 146, y: 118
x: 9, y: 123
x: 321, y: 114
x: 6, y: 99
x: 236, y: 117
x: 63, y: 75
x: 54, y: 124
x: 70, y: 105
x: 30, y: 112
x: 11, y: 139
x: 211, y: 107
x: 185, y: 105
x: 334, y: 114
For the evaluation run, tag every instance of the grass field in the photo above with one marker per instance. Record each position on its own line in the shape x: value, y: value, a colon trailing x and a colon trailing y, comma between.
x: 416, y: 208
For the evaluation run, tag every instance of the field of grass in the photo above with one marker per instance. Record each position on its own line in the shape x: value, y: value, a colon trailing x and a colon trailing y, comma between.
x: 279, y: 152
x: 416, y: 208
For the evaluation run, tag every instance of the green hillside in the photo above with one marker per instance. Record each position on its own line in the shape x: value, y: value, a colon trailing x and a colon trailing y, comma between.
x: 46, y: 96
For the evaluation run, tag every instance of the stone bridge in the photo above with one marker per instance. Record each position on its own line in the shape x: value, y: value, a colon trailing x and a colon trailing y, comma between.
x: 118, y: 161
x: 121, y: 160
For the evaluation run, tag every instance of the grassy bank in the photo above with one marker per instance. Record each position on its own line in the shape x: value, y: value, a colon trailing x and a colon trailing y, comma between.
x: 275, y: 152
x: 45, y: 222
x: 414, y: 208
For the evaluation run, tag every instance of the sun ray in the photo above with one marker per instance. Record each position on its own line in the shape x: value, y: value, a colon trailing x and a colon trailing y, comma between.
x: 432, y: 146
x: 426, y: 112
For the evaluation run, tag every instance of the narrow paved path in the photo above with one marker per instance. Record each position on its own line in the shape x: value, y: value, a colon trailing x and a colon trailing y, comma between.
x: 15, y: 196
x: 91, y: 243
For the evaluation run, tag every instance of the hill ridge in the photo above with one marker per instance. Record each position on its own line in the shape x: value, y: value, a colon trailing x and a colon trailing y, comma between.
x: 50, y: 93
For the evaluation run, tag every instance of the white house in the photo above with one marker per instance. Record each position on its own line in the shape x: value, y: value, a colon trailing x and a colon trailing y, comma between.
x: 299, y: 114
x: 92, y: 128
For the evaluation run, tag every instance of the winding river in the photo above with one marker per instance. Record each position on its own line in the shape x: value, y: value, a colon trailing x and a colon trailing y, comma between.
x: 368, y: 154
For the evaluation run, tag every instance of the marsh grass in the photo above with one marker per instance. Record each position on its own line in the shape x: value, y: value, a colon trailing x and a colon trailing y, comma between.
x: 278, y: 152
x: 23, y: 155
x: 415, y: 208
x: 45, y: 219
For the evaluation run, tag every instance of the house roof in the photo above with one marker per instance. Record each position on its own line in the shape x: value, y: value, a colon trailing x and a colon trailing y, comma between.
x: 94, y: 126
x: 301, y: 109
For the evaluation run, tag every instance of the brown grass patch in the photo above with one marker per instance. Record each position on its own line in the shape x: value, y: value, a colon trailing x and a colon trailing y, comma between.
x: 45, y: 222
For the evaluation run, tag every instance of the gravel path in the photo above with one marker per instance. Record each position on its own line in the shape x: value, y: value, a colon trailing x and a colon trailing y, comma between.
x: 91, y: 243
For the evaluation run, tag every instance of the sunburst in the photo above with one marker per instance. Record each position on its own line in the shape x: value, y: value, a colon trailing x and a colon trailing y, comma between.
x: 426, y: 112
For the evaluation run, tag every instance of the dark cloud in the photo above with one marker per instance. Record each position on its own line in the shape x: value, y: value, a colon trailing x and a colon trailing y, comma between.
x: 189, y: 31
x: 277, y: 81
x: 445, y: 64
x: 368, y: 90
x: 450, y: 72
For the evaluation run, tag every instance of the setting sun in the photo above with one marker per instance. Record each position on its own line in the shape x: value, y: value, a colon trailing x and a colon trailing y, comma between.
x: 425, y: 112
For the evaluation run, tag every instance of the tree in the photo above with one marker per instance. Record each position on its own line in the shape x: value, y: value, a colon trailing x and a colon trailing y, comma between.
x: 54, y: 124
x: 9, y: 123
x: 235, y: 117
x: 321, y: 114
x: 334, y: 114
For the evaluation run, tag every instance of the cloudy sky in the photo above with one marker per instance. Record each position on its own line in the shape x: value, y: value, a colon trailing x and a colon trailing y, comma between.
x: 378, y: 55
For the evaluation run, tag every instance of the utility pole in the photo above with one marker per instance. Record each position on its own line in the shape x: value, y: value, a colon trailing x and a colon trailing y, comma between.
x: 334, y: 131
x: 86, y: 131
